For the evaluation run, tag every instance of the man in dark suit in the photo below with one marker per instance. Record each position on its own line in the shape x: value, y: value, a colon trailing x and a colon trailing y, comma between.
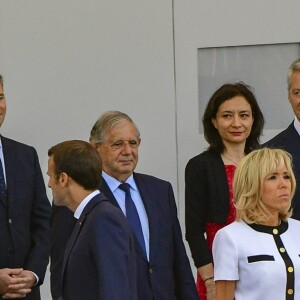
x: 24, y: 218
x: 289, y: 139
x: 99, y: 259
x: 163, y: 268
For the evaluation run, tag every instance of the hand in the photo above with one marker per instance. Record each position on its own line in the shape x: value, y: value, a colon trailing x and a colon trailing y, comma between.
x: 6, y: 278
x: 210, y: 289
x: 16, y: 283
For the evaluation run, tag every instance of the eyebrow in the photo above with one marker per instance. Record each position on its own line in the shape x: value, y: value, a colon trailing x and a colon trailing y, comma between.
x: 240, y: 111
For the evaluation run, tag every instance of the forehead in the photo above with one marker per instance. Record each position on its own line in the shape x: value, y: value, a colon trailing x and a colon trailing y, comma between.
x: 50, y: 163
x: 277, y: 167
x: 123, y: 130
x: 295, y: 82
x: 235, y: 103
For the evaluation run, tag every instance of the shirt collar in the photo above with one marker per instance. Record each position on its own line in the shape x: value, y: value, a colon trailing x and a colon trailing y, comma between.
x: 281, y: 228
x: 113, y: 183
x: 297, y: 125
x: 84, y: 203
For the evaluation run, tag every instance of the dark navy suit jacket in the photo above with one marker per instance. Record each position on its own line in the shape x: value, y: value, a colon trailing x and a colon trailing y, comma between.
x: 168, y: 274
x: 99, y: 259
x: 289, y: 140
x: 26, y: 237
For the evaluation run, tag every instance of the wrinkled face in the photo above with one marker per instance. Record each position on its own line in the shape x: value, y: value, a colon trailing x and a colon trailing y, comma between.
x: 294, y: 94
x: 54, y: 184
x: 119, y: 151
x: 276, y: 191
x: 234, y: 120
x: 2, y: 105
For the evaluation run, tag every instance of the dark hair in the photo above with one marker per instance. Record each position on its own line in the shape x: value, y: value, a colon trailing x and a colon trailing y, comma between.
x: 226, y: 92
x: 80, y: 160
x: 1, y: 80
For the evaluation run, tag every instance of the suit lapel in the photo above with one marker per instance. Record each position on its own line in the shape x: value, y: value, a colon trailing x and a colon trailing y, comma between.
x: 108, y: 193
x: 77, y: 228
x: 10, y: 166
x: 293, y: 139
x: 148, y: 196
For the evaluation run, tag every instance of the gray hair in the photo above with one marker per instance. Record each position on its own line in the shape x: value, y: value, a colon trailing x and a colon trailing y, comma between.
x: 294, y: 67
x: 105, y: 122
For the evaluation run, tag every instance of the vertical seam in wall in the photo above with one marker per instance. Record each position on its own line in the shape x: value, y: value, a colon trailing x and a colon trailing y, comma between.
x: 175, y: 100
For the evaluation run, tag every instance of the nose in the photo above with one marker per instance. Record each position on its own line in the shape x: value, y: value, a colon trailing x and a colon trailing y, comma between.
x: 283, y: 182
x: 236, y: 121
x: 126, y: 148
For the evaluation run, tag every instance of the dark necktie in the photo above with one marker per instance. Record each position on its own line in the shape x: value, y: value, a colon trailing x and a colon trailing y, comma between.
x: 2, y: 181
x: 132, y: 216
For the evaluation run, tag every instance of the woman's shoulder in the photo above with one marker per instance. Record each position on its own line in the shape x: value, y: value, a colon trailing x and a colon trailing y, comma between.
x: 293, y: 222
x: 233, y: 228
x: 205, y: 156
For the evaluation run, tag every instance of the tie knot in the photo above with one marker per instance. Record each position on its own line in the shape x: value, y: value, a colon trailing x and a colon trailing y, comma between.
x: 125, y: 187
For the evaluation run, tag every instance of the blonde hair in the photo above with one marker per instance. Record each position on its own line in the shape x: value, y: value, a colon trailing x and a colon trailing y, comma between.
x: 248, y: 183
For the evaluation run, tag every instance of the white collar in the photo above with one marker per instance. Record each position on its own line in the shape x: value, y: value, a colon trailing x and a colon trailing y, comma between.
x: 297, y: 125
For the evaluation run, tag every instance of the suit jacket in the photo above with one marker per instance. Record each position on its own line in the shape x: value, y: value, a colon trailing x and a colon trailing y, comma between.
x: 207, y: 200
x: 99, y: 260
x: 27, y: 212
x: 289, y: 140
x: 168, y: 274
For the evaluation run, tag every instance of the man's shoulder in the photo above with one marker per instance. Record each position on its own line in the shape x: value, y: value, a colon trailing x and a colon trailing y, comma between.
x: 282, y: 138
x: 100, y: 211
x: 146, y: 178
x: 16, y: 144
x: 204, y: 157
x: 100, y: 203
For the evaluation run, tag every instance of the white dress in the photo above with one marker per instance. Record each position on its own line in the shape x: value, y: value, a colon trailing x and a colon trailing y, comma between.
x: 263, y: 260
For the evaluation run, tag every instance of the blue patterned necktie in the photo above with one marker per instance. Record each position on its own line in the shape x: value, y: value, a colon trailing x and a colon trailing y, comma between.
x: 132, y: 216
x: 2, y: 181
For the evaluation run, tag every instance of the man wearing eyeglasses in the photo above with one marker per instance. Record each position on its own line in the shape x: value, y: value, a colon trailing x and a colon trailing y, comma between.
x: 163, y: 268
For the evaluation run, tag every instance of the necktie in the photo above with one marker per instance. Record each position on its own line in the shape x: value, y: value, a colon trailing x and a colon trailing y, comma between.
x: 2, y: 181
x: 132, y: 216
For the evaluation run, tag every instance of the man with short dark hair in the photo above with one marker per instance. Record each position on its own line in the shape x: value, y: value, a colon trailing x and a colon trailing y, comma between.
x: 99, y: 259
x: 163, y: 268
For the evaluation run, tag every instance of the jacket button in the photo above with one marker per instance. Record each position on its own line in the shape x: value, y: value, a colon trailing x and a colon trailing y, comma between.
x: 150, y: 271
x: 9, y: 221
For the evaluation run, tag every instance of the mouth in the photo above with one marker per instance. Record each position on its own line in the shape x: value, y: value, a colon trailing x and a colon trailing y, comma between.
x: 125, y: 162
x: 284, y: 196
x: 236, y: 133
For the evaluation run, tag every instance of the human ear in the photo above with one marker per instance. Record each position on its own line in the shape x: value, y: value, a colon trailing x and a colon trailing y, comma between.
x: 214, y: 123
